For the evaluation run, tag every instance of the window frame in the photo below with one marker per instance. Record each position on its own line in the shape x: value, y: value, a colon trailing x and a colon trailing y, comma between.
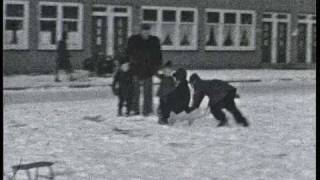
x: 237, y: 25
x: 159, y: 23
x: 59, y: 23
x: 309, y: 22
x: 110, y: 15
x: 273, y: 18
x: 25, y: 20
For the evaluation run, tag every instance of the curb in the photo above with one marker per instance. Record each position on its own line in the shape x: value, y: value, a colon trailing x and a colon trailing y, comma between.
x: 104, y: 85
x: 246, y: 80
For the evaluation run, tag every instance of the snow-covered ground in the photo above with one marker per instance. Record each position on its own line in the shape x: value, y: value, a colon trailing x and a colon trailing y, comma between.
x: 86, y: 140
x: 83, y: 79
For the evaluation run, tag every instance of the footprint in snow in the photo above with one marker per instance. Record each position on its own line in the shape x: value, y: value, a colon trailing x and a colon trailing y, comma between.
x: 97, y: 118
x: 180, y: 145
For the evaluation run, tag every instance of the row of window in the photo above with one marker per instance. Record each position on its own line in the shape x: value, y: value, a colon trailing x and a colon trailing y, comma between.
x: 15, y: 26
x: 176, y: 27
x: 224, y: 29
x: 54, y: 18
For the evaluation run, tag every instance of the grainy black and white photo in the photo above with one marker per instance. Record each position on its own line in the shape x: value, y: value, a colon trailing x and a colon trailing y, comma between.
x: 159, y: 89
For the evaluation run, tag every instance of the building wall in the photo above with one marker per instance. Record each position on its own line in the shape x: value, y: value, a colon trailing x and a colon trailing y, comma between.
x: 34, y: 60
x: 43, y: 61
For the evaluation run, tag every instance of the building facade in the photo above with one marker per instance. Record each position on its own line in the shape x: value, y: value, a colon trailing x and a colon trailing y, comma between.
x: 194, y: 34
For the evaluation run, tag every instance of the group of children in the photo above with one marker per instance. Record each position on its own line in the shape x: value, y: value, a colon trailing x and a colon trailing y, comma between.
x: 174, y: 94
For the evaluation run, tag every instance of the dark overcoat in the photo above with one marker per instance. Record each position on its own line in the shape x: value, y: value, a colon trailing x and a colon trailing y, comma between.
x: 215, y: 89
x: 167, y: 84
x: 122, y: 84
x: 144, y: 56
x: 179, y: 98
x: 63, y: 61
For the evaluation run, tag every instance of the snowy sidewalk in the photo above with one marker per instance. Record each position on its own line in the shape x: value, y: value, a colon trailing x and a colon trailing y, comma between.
x: 21, y: 82
x: 86, y: 140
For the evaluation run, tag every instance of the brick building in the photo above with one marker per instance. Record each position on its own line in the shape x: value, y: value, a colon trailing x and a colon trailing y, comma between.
x: 194, y: 34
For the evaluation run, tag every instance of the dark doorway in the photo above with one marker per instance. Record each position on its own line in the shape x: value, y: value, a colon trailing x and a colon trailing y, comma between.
x: 302, y: 42
x: 266, y: 42
x: 282, y: 42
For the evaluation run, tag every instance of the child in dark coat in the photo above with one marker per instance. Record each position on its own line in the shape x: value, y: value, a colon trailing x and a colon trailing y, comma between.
x: 221, y: 96
x: 122, y: 86
x: 176, y: 100
x: 167, y: 82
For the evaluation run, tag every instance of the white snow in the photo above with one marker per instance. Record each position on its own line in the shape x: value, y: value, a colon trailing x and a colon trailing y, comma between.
x: 83, y: 79
x: 266, y: 75
x: 86, y: 140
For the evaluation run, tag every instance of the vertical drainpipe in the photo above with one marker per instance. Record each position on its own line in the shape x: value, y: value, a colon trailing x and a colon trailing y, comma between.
x: 87, y: 28
x: 33, y: 37
x: 259, y: 17
x: 201, y: 53
x: 33, y: 25
x: 294, y: 10
x: 136, y: 16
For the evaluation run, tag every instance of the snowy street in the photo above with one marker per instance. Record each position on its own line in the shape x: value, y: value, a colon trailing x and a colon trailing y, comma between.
x: 43, y: 89
x: 79, y: 131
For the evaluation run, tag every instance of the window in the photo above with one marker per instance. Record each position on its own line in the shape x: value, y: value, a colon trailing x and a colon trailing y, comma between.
x: 307, y: 36
x: 55, y: 18
x: 246, y: 30
x: 307, y: 18
x: 230, y: 30
x: 99, y: 9
x: 176, y: 27
x: 15, y: 28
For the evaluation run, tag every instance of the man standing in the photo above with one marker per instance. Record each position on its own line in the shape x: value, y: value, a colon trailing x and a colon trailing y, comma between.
x: 63, y: 61
x: 145, y: 59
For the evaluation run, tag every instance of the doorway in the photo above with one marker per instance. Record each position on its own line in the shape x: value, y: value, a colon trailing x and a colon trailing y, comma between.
x: 275, y: 38
x: 306, y: 39
x: 111, y: 27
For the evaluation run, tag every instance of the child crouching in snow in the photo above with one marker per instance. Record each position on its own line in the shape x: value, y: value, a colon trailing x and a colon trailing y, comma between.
x: 122, y: 86
x: 176, y: 100
x: 221, y: 96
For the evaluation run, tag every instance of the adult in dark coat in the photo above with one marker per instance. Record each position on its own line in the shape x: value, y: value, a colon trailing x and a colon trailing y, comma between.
x: 221, y: 96
x: 177, y: 100
x: 63, y: 61
x: 144, y: 53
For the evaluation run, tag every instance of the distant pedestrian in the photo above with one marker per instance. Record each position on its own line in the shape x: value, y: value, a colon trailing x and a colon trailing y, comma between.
x: 144, y: 53
x: 122, y: 86
x: 221, y: 96
x: 167, y: 82
x: 63, y: 59
x: 177, y: 100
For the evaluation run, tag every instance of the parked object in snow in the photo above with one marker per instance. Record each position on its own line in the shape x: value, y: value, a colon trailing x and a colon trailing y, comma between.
x: 100, y: 65
x: 34, y: 165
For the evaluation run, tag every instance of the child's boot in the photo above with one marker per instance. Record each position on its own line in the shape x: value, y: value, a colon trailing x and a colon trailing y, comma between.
x: 222, y: 123
x: 244, y: 122
x: 128, y: 113
x: 119, y: 112
x: 162, y: 120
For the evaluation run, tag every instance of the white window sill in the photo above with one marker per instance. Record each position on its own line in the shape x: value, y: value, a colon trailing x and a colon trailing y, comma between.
x: 55, y: 48
x: 43, y: 49
x: 181, y: 48
x: 230, y: 48
x: 14, y: 48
